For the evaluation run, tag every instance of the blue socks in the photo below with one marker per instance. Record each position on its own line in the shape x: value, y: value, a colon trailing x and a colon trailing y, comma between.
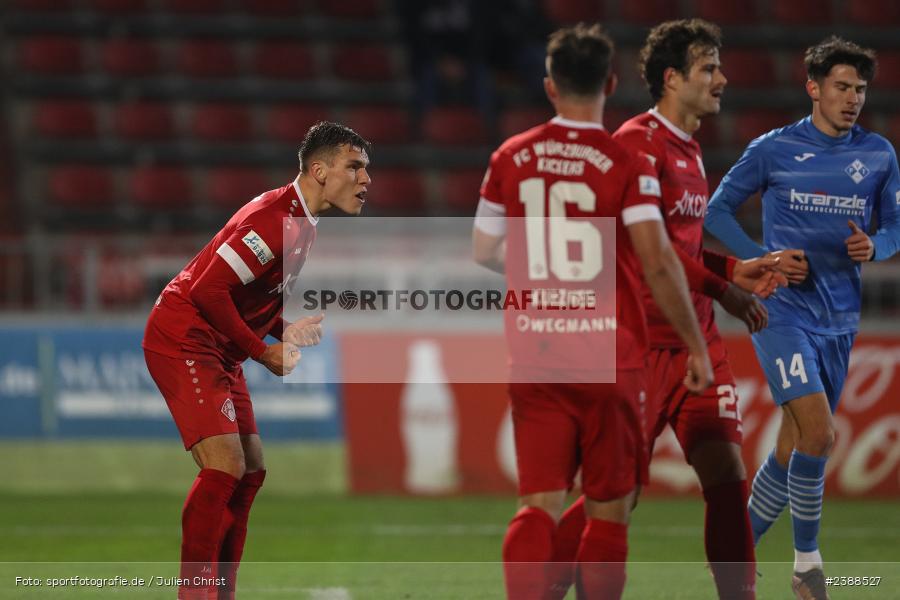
x: 806, y: 484
x: 768, y: 497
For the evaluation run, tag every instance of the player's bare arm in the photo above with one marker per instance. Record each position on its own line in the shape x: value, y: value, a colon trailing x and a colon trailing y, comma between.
x: 860, y: 246
x: 489, y: 250
x: 304, y: 332
x: 665, y: 276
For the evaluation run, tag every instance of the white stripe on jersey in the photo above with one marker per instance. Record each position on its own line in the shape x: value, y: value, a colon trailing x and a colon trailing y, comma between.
x: 641, y: 212
x: 236, y: 263
x: 490, y: 217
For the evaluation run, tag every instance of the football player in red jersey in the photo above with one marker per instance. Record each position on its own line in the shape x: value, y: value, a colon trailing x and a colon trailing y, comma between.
x: 680, y: 64
x: 572, y: 170
x: 214, y: 315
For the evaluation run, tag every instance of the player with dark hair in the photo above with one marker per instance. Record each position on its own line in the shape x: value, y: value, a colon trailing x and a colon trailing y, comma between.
x: 819, y: 177
x: 680, y: 65
x: 572, y: 170
x: 214, y: 315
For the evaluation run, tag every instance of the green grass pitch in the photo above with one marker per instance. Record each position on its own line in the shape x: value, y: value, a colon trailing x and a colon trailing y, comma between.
x: 308, y: 539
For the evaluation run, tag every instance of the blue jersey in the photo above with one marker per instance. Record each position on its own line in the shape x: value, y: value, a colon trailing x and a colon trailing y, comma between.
x: 812, y: 184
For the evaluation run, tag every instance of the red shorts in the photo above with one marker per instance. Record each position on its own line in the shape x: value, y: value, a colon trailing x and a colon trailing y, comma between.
x: 560, y: 427
x: 710, y: 416
x: 204, y: 398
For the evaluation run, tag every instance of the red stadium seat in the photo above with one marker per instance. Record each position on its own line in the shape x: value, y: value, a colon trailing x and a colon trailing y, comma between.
x: 396, y: 189
x: 888, y: 74
x: 222, y: 123
x: 78, y: 186
x: 369, y: 62
x: 51, y: 55
x: 727, y: 12
x: 460, y: 190
x: 290, y: 122
x: 119, y: 6
x: 455, y: 126
x: 232, y: 187
x: 517, y: 120
x: 130, y: 57
x: 358, y: 9
x: 196, y: 6
x: 746, y: 67
x: 164, y: 187
x: 65, y: 119
x: 380, y: 124
x: 802, y: 12
x: 750, y: 124
x: 649, y: 11
x: 272, y: 8
x: 709, y: 134
x: 144, y: 121
x: 284, y: 60
x: 873, y: 13
x: 572, y: 11
x: 207, y: 58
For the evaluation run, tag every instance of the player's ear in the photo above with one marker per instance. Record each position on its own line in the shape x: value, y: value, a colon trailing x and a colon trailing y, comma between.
x: 670, y: 75
x: 612, y: 82
x: 550, y: 90
x: 318, y: 171
x: 812, y: 88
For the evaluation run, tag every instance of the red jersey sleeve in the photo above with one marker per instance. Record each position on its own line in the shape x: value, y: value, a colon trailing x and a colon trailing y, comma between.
x: 641, y: 143
x: 251, y: 250
x: 491, y: 184
x: 642, y: 193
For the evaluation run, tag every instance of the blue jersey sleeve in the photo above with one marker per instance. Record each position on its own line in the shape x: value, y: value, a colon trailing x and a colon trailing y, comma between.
x: 887, y: 239
x: 743, y: 180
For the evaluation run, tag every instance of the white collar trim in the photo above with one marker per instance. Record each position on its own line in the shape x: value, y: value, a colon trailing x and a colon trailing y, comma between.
x: 683, y: 135
x: 312, y: 219
x: 557, y: 120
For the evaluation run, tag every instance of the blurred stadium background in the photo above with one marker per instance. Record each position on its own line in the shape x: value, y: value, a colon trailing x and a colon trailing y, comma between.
x: 134, y: 128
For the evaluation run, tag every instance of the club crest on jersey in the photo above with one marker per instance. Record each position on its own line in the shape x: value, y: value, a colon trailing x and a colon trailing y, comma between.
x: 649, y: 186
x: 228, y: 410
x: 857, y: 171
x: 258, y: 247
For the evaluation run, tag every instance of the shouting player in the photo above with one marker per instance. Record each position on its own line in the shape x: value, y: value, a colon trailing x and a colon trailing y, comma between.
x: 573, y: 171
x: 213, y: 316
x: 822, y: 179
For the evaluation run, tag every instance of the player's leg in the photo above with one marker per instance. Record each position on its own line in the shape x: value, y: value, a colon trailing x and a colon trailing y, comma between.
x: 769, y: 492
x: 708, y: 428
x: 197, y: 394
x: 238, y: 514
x: 615, y: 462
x: 546, y: 455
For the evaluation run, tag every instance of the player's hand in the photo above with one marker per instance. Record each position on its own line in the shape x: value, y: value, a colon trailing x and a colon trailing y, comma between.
x: 280, y: 358
x: 759, y: 276
x: 793, y: 264
x: 859, y: 245
x: 741, y: 304
x: 699, y: 371
x: 304, y: 332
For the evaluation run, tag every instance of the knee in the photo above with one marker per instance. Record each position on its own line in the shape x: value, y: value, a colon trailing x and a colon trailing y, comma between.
x: 817, y: 441
x: 717, y: 463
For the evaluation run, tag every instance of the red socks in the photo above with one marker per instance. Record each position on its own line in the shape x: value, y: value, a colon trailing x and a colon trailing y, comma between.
x: 601, y: 560
x: 729, y: 540
x: 201, y: 528
x: 565, y: 546
x: 232, y: 542
x: 527, y: 548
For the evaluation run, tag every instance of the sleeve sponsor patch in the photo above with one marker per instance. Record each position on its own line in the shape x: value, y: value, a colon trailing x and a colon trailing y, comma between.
x: 649, y: 186
x: 258, y: 247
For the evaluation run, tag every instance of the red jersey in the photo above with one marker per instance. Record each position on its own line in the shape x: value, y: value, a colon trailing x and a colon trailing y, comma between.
x: 254, y: 257
x: 574, y: 173
x: 678, y: 162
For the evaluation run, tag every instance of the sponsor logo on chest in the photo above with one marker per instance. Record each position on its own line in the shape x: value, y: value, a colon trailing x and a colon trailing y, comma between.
x: 690, y: 205
x: 827, y: 203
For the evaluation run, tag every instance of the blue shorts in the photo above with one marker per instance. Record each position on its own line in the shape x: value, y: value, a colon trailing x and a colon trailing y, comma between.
x: 798, y: 362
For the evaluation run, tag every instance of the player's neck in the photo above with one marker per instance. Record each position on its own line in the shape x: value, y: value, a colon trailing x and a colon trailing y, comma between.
x: 312, y: 195
x: 591, y: 112
x: 678, y: 116
x: 822, y: 124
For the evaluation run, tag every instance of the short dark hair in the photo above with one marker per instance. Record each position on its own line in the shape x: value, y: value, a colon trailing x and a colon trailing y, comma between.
x: 324, y: 138
x: 579, y: 59
x: 833, y: 51
x: 671, y: 45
